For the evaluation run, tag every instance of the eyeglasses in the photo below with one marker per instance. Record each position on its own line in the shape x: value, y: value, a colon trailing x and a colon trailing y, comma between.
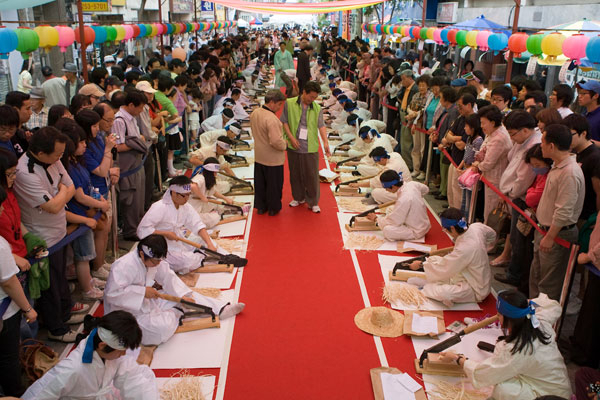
x: 108, y: 119
x: 516, y: 133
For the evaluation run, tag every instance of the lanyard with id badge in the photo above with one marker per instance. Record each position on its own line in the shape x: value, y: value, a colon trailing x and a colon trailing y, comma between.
x: 303, y: 133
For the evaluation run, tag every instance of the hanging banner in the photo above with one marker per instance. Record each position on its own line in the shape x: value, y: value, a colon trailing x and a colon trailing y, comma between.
x: 220, y: 11
x: 346, y: 25
x: 93, y: 6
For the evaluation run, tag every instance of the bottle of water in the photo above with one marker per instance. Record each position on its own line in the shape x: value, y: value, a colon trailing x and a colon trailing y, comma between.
x: 96, y: 194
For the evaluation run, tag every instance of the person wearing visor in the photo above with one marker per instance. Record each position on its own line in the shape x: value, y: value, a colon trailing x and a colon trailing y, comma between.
x: 218, y: 151
x: 385, y: 162
x: 204, y: 186
x: 408, y: 220
x: 526, y: 363
x: 215, y: 122
x: 209, y: 139
x: 130, y: 287
x: 100, y: 366
x: 462, y: 276
x: 172, y: 217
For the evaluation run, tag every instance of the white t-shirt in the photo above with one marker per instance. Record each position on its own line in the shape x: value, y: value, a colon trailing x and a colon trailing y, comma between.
x: 8, y: 268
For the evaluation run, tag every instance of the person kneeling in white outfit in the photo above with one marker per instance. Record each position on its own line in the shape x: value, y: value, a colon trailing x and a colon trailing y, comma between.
x: 526, y: 363
x: 172, y: 217
x: 100, y: 367
x: 385, y: 162
x: 204, y: 186
x: 462, y: 276
x: 408, y: 220
x: 130, y: 287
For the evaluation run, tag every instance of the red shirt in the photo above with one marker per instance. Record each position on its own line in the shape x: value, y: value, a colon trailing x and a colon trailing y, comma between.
x: 534, y: 193
x: 10, y: 224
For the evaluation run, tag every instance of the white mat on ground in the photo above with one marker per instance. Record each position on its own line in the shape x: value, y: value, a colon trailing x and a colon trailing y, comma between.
x: 207, y: 384
x: 344, y: 218
x: 219, y: 280
x: 236, y: 228
x: 468, y: 347
x: 244, y: 172
x: 245, y: 198
x: 353, y: 205
x: 196, y: 349
x: 387, y: 264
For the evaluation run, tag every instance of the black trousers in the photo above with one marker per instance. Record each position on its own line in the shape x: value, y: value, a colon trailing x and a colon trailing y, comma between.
x: 10, y: 367
x: 149, y: 171
x: 586, y: 347
x: 54, y: 304
x: 268, y: 184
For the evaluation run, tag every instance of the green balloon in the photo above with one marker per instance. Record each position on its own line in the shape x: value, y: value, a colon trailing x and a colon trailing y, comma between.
x: 534, y: 43
x: 28, y: 41
x: 111, y: 33
x: 423, y: 33
x: 461, y: 38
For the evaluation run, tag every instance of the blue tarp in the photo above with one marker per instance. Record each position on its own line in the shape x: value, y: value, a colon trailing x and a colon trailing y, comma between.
x: 481, y: 23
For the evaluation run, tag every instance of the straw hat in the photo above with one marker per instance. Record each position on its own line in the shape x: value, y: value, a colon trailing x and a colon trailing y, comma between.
x: 380, y: 321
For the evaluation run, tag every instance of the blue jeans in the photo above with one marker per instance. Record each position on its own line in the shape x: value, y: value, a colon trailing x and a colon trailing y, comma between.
x: 465, y: 205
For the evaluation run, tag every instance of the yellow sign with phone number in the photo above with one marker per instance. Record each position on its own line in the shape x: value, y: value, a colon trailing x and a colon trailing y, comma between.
x: 92, y: 6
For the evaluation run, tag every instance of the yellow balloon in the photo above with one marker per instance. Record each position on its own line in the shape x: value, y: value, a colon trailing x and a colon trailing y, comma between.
x: 48, y: 36
x: 120, y: 32
x: 552, y: 44
x: 154, y: 30
x: 430, y: 33
x: 471, y: 39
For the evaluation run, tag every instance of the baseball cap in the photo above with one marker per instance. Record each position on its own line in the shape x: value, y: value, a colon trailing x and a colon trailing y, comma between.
x: 458, y: 82
x: 145, y: 86
x: 594, y: 86
x: 91, y: 90
x: 108, y: 59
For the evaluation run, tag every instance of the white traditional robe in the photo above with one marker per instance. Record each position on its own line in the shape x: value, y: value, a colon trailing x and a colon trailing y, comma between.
x: 395, y: 163
x: 163, y: 216
x: 209, y: 138
x: 158, y: 319
x: 208, y: 212
x: 408, y: 220
x: 223, y: 184
x: 213, y: 123
x: 238, y: 109
x: 525, y: 375
x: 367, y: 166
x: 463, y: 275
x: 71, y: 379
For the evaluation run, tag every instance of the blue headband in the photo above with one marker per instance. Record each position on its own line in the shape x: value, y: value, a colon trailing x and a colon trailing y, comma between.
x: 372, y: 132
x: 88, y: 352
x: 332, y: 85
x: 389, y: 184
x: 354, y: 121
x: 448, y: 223
x: 510, y: 311
x: 378, y: 158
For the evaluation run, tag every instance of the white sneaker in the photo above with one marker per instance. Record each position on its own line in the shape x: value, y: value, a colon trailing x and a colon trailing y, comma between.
x: 231, y: 310
x: 68, y: 337
x: 93, y: 294
x: 76, y: 319
x: 415, y: 173
x: 316, y: 209
x: 421, y: 176
x: 100, y: 273
x: 295, y: 203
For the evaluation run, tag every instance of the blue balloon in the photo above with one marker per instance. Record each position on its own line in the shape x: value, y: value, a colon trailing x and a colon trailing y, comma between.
x: 8, y: 42
x: 142, y: 30
x: 378, y: 28
x: 497, y: 41
x: 101, y: 34
x: 444, y: 35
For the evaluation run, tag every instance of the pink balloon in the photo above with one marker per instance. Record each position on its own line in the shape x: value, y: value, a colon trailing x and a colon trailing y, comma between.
x: 66, y: 37
x: 128, y: 32
x: 159, y: 29
x: 482, y: 40
x: 574, y: 47
x: 437, y: 36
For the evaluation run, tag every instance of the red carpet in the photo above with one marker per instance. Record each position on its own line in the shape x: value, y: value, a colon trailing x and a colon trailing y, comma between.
x: 296, y: 339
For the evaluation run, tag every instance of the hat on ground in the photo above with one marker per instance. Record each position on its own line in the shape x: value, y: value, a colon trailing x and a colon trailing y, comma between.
x: 145, y: 86
x: 113, y: 81
x: 594, y: 86
x: 37, y: 93
x: 109, y: 59
x: 91, y: 90
x: 380, y: 321
x: 70, y: 67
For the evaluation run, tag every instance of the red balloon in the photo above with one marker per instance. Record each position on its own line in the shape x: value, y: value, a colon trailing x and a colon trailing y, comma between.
x: 88, y: 34
x: 416, y: 32
x: 452, y: 36
x: 517, y: 43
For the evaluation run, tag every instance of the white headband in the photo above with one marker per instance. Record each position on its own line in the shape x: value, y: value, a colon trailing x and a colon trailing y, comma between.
x: 212, y: 167
x: 147, y: 251
x: 110, y: 339
x: 223, y: 145
x: 181, y: 189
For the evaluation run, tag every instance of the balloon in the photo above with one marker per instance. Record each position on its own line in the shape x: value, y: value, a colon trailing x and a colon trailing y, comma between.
x: 444, y: 36
x: 142, y: 30
x: 415, y: 32
x: 28, y: 41
x: 99, y: 34
x: 497, y: 41
x: 461, y: 38
x: 170, y: 29
x: 405, y: 30
x: 482, y: 40
x: 8, y: 42
x: 437, y: 35
x: 471, y: 39
x: 136, y: 30
x: 397, y: 29
x: 430, y: 32
x: 190, y: 27
x: 128, y: 31
x: 534, y: 43
x: 111, y: 33
x: 120, y: 33
x: 517, y: 43
x: 452, y: 33
x: 179, y: 53
x: 66, y: 37
x: 552, y: 45
x: 48, y: 36
x: 592, y: 49
x: 574, y: 47
x: 423, y: 33
x: 378, y: 28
